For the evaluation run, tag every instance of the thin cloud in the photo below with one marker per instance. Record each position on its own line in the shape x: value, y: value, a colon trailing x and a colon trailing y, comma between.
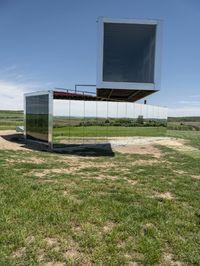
x: 14, y: 74
x: 195, y: 96
x: 189, y: 102
x: 184, y: 111
x: 12, y: 93
x: 14, y: 83
x: 8, y: 68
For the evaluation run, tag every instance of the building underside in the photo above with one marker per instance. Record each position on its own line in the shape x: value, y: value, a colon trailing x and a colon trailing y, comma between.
x: 104, y: 95
x: 123, y: 95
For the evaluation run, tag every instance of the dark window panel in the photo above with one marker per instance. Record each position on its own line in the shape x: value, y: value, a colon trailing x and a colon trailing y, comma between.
x: 37, y: 117
x: 129, y: 52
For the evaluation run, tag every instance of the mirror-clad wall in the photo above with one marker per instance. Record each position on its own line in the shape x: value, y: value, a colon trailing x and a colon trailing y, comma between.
x: 37, y: 117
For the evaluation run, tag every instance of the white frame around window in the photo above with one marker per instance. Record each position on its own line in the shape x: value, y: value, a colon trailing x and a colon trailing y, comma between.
x: 126, y: 85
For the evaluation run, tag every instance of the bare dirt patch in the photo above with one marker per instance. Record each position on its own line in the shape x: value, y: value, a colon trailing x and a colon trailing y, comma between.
x: 51, y: 241
x: 108, y: 227
x: 30, y: 240
x: 196, y: 177
x: 53, y: 263
x: 129, y: 145
x: 144, y: 162
x: 146, y: 145
x: 164, y: 195
x: 178, y: 144
x: 101, y: 177
x: 19, y: 253
x: 139, y: 149
x: 45, y: 172
x: 72, y: 250
x: 76, y: 169
x: 6, y: 143
x: 180, y: 172
x: 132, y: 182
x: 71, y: 253
x: 29, y: 159
x: 168, y: 260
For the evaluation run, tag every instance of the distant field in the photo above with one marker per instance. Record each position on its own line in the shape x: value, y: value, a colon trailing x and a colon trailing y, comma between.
x: 10, y: 119
x: 184, y: 123
x: 192, y: 136
x: 184, y: 119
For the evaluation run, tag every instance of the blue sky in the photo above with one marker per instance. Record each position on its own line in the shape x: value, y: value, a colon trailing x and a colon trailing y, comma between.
x: 48, y: 43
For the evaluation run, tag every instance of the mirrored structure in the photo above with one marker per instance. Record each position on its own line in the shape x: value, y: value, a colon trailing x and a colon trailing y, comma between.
x: 129, y: 55
x: 128, y: 69
x: 38, y: 116
x: 87, y: 118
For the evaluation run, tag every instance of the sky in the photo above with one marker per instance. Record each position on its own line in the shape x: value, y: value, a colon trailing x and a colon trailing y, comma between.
x: 47, y: 44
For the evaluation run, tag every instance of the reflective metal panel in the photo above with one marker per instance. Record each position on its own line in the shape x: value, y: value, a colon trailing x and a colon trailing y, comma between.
x: 129, y: 57
x: 37, y: 117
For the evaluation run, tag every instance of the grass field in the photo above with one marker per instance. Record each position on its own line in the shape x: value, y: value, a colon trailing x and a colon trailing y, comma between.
x: 10, y: 119
x: 192, y: 136
x: 126, y: 209
x: 121, y: 210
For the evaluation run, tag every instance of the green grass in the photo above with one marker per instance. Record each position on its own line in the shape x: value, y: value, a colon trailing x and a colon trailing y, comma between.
x: 10, y: 119
x: 100, y: 210
x: 193, y: 137
x: 184, y: 119
x: 112, y: 131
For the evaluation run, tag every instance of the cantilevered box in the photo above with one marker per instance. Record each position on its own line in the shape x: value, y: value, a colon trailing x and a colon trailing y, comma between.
x: 129, y: 58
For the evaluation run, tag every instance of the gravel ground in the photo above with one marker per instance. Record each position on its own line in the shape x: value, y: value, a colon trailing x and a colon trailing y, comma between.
x: 9, y: 140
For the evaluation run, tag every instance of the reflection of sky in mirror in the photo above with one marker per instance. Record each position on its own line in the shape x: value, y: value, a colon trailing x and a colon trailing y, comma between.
x: 107, y: 109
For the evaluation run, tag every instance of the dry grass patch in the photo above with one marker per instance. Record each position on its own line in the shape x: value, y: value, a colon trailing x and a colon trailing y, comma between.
x: 8, y: 144
x: 30, y: 240
x: 122, y: 244
x: 196, y: 177
x: 144, y: 162
x: 72, y: 197
x: 69, y: 249
x: 75, y: 169
x: 148, y: 149
x: 54, y: 263
x: 165, y: 195
x: 180, y: 172
x: 45, y: 172
x: 34, y: 160
x: 131, y: 257
x: 168, y: 260
x: 132, y: 182
x: 108, y: 227
x: 73, y: 253
x: 19, y: 253
x: 84, y: 165
x: 100, y: 177
x: 50, y: 242
x: 178, y: 145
